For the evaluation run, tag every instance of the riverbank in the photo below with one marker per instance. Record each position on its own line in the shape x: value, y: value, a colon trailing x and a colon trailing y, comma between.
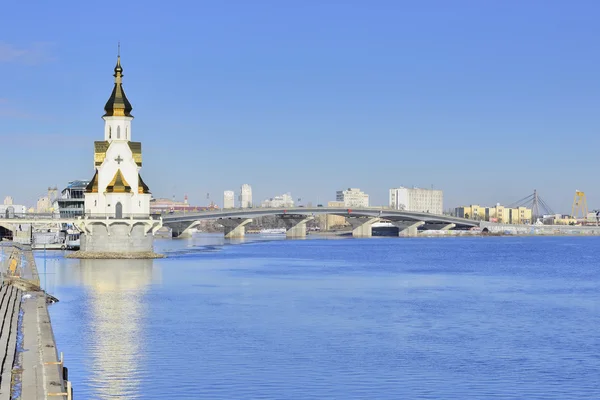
x: 31, y: 368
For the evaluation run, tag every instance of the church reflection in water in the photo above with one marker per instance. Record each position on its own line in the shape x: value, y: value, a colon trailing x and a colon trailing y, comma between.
x: 115, y: 340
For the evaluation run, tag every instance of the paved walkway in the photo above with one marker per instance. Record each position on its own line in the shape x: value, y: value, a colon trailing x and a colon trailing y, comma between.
x: 30, y: 368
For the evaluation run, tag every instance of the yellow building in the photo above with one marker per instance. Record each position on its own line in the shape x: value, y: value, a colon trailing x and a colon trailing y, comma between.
x: 328, y: 221
x: 565, y: 220
x: 498, y: 213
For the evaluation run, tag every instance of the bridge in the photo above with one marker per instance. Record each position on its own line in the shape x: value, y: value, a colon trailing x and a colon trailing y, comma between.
x: 235, y: 220
x: 295, y: 219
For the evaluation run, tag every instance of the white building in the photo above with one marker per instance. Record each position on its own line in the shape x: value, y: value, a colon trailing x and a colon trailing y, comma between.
x: 285, y: 200
x: 8, y: 201
x: 117, y: 189
x: 353, y: 197
x: 10, y: 210
x: 417, y: 200
x: 245, y: 196
x: 228, y: 199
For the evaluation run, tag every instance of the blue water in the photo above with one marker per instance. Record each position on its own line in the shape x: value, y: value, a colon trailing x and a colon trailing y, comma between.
x: 388, y: 318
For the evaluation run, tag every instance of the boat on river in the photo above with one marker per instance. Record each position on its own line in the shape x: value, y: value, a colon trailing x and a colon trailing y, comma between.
x: 272, y: 231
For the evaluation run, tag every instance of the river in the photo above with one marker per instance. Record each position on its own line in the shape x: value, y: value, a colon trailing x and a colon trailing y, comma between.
x: 379, y: 318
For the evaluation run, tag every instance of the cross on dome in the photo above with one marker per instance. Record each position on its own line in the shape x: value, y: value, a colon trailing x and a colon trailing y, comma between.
x: 118, y: 105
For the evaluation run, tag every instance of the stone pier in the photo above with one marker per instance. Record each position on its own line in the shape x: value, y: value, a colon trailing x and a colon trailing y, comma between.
x: 295, y: 226
x: 362, y: 226
x: 235, y: 228
x: 448, y: 227
x: 117, y: 238
x: 407, y: 229
x: 182, y: 230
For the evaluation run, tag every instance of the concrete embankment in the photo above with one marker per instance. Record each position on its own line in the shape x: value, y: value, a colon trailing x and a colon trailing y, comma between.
x: 114, y: 255
x: 541, y: 230
x: 496, y: 230
x: 31, y: 368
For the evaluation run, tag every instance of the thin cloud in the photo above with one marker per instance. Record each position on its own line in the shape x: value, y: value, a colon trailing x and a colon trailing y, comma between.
x: 49, y: 141
x: 12, y: 113
x: 9, y: 111
x: 34, y: 54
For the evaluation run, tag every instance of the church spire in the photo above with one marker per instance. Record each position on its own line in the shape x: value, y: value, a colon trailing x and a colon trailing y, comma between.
x: 118, y: 105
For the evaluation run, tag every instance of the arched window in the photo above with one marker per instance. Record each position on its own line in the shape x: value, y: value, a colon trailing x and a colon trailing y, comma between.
x: 109, y: 132
x: 118, y: 132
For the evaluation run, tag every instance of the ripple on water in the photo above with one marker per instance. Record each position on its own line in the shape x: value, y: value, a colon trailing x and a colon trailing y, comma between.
x: 380, y: 319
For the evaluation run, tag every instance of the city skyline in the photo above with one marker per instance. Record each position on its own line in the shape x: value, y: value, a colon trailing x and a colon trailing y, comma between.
x: 444, y: 98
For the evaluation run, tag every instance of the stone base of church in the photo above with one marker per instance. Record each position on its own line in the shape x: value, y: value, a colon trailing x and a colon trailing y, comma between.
x: 114, y: 256
x: 116, y: 241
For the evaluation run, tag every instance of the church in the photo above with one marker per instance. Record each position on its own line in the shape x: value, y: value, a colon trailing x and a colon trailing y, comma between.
x: 117, y: 222
x: 117, y: 189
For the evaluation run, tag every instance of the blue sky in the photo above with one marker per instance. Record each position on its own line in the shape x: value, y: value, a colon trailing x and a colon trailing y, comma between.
x: 485, y: 100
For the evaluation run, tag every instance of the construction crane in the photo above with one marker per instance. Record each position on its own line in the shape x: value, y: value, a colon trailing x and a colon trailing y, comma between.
x: 579, y: 209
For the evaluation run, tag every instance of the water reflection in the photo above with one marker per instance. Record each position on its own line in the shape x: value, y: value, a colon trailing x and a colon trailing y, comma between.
x: 116, y: 326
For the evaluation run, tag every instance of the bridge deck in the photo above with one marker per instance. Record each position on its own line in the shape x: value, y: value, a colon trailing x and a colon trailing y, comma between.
x: 29, y: 364
x: 395, y: 215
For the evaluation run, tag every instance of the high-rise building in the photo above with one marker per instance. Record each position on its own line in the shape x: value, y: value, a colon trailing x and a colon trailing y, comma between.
x: 417, y: 200
x: 353, y: 197
x: 228, y: 199
x: 285, y: 200
x: 245, y: 196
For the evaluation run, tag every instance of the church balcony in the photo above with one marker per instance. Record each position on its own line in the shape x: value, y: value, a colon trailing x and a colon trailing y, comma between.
x: 122, y: 216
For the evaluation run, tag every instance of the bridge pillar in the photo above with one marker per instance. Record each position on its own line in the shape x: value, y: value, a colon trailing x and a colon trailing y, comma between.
x: 21, y: 233
x: 182, y: 230
x: 295, y: 226
x: 407, y: 229
x: 447, y: 227
x: 234, y: 227
x: 362, y: 226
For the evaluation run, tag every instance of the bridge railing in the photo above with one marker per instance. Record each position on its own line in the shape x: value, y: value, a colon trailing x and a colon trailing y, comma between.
x: 28, y: 216
x: 53, y: 216
x: 122, y: 216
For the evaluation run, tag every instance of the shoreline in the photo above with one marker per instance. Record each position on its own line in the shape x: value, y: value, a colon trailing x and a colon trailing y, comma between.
x: 114, y: 255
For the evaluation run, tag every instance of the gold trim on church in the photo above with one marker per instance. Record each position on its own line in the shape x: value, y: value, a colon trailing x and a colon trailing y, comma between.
x: 136, y: 150
x: 100, y: 149
x: 118, y: 184
x: 117, y: 104
x: 92, y: 187
x: 142, y: 187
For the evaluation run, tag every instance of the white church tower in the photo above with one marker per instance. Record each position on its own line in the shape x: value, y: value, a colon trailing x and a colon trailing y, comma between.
x: 117, y: 222
x: 117, y: 189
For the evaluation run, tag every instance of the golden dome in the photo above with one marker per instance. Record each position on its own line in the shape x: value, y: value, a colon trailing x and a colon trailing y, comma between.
x: 118, y: 105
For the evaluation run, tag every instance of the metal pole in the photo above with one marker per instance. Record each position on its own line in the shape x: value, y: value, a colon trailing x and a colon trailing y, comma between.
x: 44, y: 266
